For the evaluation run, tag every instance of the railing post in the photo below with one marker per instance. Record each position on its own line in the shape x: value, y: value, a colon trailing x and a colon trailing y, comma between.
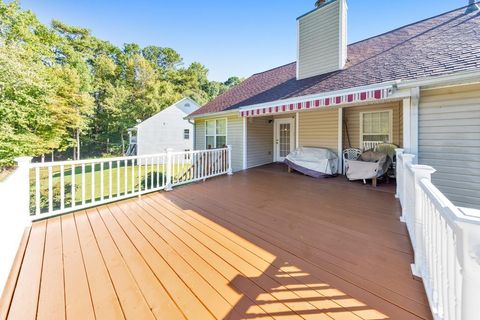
x: 407, y: 160
x: 23, y: 191
x: 470, y: 261
x: 398, y: 172
x: 230, y: 171
x: 168, y: 186
x: 15, y: 199
x: 421, y: 172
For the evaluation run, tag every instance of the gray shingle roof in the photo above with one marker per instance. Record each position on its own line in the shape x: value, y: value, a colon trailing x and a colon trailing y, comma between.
x: 441, y: 45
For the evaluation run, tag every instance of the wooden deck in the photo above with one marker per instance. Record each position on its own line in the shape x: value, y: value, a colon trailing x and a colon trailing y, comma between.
x: 262, y: 244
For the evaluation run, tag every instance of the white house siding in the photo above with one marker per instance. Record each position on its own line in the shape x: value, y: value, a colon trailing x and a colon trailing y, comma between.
x: 319, y: 129
x: 449, y: 141
x: 260, y: 141
x: 322, y: 40
x: 166, y: 129
x: 234, y: 138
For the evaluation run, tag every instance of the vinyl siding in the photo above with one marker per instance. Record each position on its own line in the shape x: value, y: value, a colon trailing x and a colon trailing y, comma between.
x: 449, y: 141
x: 234, y: 138
x: 319, y: 129
x: 319, y: 41
x: 351, y: 117
x: 260, y: 141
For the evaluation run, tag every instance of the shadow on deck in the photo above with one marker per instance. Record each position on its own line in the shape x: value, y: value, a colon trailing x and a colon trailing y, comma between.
x: 262, y: 244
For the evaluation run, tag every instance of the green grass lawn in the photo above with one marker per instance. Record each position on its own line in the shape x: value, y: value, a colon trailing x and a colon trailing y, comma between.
x: 121, y: 183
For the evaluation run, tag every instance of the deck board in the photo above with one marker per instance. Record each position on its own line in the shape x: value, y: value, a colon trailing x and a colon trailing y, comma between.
x: 261, y: 244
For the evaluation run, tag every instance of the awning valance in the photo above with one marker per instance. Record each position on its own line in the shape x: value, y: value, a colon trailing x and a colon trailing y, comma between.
x: 318, y: 102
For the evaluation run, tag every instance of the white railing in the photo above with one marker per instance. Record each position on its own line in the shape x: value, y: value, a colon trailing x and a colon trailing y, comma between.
x: 445, y: 240
x: 61, y: 187
x: 371, y: 145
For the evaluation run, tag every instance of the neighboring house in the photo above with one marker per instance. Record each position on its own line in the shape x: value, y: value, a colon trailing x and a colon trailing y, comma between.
x: 167, y: 129
x: 417, y: 86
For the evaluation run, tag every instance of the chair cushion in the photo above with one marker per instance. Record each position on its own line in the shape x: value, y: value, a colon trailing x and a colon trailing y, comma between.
x: 372, y: 156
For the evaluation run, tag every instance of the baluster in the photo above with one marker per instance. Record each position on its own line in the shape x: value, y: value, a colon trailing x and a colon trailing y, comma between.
x: 125, y: 176
x: 133, y: 175
x: 158, y: 172
x: 152, y: 172
x: 37, y: 191
x: 101, y: 182
x: 146, y: 174
x: 50, y: 190
x: 139, y: 164
x: 110, y: 180
x: 118, y: 178
x: 83, y: 184
x: 62, y: 187
x: 94, y: 198
x: 74, y: 187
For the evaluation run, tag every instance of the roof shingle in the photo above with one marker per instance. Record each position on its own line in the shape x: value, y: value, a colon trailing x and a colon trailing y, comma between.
x: 441, y: 45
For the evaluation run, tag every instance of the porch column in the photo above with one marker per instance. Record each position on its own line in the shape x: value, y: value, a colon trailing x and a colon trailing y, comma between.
x: 410, y: 122
x: 340, y: 140
x: 245, y: 145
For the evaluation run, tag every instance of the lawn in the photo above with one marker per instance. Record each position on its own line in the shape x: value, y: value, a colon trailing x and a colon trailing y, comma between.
x: 124, y: 179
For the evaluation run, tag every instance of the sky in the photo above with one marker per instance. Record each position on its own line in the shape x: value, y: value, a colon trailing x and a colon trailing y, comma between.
x: 231, y: 38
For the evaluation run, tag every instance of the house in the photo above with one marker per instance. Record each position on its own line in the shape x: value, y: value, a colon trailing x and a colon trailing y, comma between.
x: 417, y: 86
x: 167, y: 129
x: 262, y: 243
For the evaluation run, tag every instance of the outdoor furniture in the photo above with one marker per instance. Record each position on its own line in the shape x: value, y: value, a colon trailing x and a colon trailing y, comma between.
x: 370, y: 165
x: 350, y: 154
x: 314, y: 162
x: 389, y: 149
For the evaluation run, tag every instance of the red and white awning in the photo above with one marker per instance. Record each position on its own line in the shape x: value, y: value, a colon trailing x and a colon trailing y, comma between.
x: 319, y: 102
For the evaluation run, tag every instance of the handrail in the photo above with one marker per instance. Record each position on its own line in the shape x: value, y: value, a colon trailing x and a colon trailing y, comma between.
x: 445, y: 241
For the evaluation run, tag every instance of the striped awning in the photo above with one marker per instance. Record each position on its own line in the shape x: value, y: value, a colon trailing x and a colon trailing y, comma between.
x: 319, y: 102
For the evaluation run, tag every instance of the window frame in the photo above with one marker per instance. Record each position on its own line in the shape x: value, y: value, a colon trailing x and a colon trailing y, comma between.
x: 390, y: 124
x: 186, y: 134
x: 215, y: 135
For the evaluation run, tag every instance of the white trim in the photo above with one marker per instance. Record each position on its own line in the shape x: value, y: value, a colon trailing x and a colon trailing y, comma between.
x: 463, y: 77
x: 414, y: 103
x: 298, y: 50
x: 406, y: 124
x: 343, y: 42
x: 276, y: 123
x: 390, y: 117
x: 215, y: 135
x: 297, y: 129
x: 340, y: 140
x: 245, y: 143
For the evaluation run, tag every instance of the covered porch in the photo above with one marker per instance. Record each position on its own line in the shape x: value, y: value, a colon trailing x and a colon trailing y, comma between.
x: 261, y: 244
x: 271, y: 138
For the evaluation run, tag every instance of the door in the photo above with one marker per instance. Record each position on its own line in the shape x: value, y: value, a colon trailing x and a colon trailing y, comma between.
x: 284, y: 138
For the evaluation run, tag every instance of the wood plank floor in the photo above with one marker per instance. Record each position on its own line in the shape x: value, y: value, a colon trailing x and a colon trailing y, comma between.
x: 261, y: 244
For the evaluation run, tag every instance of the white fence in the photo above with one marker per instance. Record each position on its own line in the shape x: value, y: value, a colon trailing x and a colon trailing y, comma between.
x: 446, y: 242
x: 61, y: 187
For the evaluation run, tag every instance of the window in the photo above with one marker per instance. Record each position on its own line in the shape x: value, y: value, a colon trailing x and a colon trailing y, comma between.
x: 216, y: 133
x: 186, y: 134
x: 376, y: 126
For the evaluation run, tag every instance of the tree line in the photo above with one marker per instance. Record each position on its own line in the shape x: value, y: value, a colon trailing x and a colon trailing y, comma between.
x: 62, y: 88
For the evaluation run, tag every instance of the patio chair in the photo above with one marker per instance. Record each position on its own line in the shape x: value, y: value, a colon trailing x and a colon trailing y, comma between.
x: 370, y: 165
x: 389, y: 149
x: 350, y: 154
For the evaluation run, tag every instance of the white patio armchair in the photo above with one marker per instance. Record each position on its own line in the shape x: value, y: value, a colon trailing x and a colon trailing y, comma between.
x: 350, y: 154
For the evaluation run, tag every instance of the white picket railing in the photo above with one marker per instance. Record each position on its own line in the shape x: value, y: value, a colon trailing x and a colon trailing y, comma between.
x: 445, y: 240
x: 61, y: 187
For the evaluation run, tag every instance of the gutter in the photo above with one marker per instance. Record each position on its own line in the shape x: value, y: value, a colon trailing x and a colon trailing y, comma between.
x: 399, y: 87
